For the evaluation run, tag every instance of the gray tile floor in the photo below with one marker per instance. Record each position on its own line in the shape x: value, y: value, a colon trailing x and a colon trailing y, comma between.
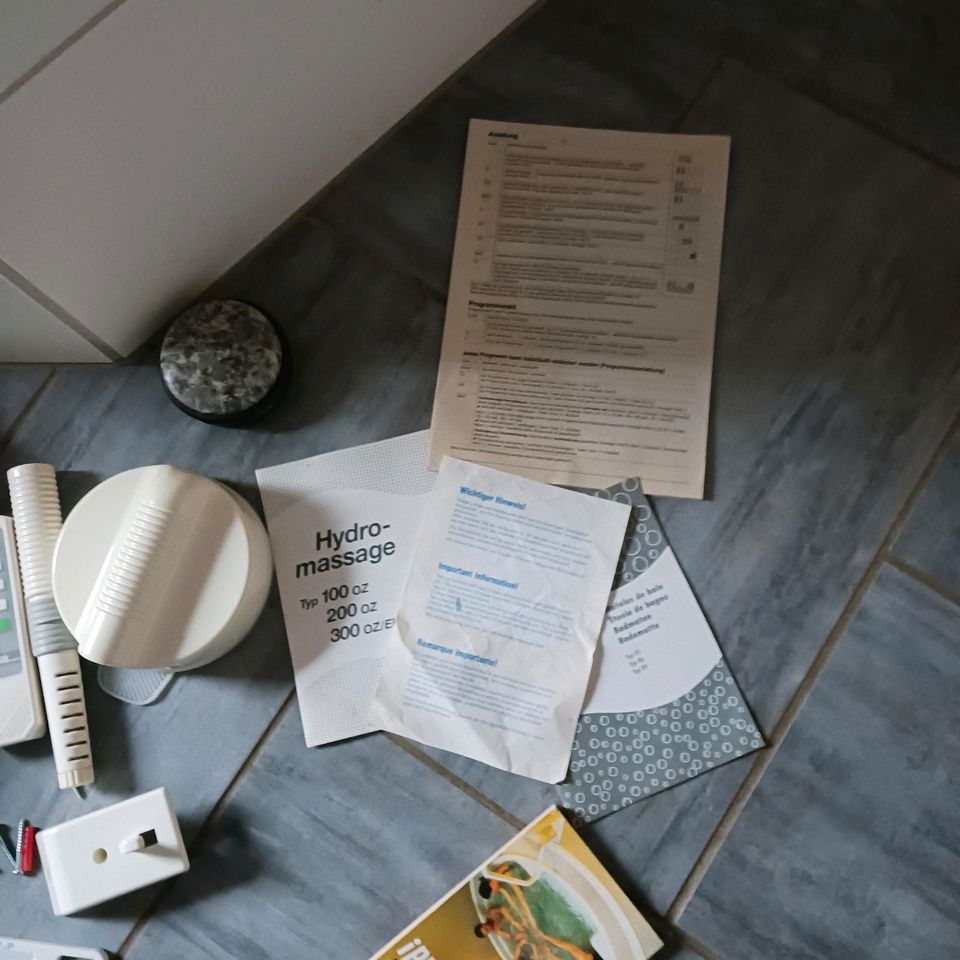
x: 827, y: 555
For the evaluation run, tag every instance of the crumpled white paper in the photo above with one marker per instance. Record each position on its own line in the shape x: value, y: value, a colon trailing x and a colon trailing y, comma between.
x: 499, y: 619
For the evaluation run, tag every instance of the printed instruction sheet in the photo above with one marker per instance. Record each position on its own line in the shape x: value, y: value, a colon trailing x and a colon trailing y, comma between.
x: 499, y: 619
x: 578, y: 344
x: 342, y: 528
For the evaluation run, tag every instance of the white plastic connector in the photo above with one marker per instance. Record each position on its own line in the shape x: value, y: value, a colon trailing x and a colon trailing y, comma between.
x: 21, y: 706
x: 108, y: 853
x: 34, y: 950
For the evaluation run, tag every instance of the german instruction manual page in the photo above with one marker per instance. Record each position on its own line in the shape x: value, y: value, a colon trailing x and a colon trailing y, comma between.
x: 578, y: 344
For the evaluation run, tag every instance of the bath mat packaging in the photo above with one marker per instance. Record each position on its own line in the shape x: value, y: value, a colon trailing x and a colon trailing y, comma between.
x: 673, y: 709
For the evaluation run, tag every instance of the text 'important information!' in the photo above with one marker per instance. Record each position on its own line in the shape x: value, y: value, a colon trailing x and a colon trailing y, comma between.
x: 499, y: 619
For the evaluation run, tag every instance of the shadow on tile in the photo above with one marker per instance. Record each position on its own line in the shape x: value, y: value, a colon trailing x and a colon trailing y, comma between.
x: 849, y: 846
x: 930, y: 541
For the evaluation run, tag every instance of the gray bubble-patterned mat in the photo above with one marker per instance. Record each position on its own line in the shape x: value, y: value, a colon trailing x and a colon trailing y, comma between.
x: 620, y: 758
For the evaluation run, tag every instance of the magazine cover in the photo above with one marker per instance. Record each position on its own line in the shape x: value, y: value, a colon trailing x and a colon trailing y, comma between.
x: 543, y: 896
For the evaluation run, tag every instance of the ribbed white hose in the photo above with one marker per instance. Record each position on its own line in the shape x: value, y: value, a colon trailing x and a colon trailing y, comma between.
x: 37, y: 522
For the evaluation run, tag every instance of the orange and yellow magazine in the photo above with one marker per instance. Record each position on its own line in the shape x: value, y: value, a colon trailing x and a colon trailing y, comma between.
x: 543, y: 896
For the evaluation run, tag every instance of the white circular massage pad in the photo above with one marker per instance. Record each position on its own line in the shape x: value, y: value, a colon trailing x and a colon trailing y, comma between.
x: 158, y: 567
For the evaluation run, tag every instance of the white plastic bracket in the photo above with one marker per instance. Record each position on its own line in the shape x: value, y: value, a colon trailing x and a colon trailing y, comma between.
x: 112, y: 851
x: 34, y: 950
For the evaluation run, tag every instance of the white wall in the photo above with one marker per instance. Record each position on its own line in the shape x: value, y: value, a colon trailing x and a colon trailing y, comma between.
x: 173, y: 136
x: 31, y: 30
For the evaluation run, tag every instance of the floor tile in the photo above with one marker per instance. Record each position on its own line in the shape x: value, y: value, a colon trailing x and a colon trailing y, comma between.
x: 894, y: 65
x: 364, y: 346
x: 325, y: 852
x: 673, y: 950
x: 835, y: 379
x: 836, y: 374
x: 573, y: 63
x: 850, y: 847
x: 18, y: 385
x: 520, y: 797
x: 930, y: 541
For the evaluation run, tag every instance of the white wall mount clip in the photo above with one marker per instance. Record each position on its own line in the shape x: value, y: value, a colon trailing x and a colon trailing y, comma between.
x: 21, y: 705
x: 112, y: 851
x: 34, y: 950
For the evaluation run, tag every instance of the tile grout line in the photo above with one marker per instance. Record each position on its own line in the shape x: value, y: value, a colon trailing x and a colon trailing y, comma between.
x: 848, y: 114
x: 774, y: 740
x: 316, y: 217
x: 746, y: 789
x: 691, y: 943
x: 311, y: 212
x: 31, y: 290
x: 27, y: 407
x: 357, y: 245
x: 304, y: 213
x: 694, y: 99
x: 673, y: 936
x: 441, y: 771
x: 59, y: 49
x: 225, y: 797
x: 934, y: 586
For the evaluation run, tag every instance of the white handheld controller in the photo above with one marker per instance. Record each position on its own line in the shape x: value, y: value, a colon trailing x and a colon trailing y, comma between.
x: 34, y: 950
x: 21, y: 704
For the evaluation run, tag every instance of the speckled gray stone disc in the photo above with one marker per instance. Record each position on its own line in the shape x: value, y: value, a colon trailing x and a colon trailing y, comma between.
x: 221, y: 359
